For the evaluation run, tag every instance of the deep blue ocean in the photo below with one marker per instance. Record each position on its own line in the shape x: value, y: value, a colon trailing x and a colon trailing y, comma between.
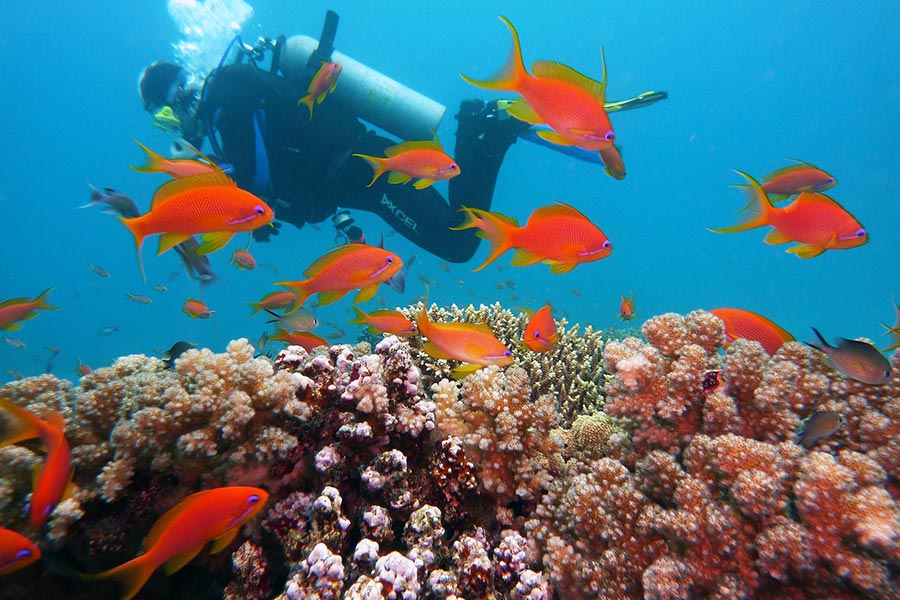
x: 749, y: 85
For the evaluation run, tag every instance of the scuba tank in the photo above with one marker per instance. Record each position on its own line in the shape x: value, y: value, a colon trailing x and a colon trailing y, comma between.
x: 370, y: 95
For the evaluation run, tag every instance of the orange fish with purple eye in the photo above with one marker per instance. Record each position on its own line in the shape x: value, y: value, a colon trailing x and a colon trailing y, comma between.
x: 305, y: 339
x: 540, y: 333
x: 176, y: 167
x: 472, y: 343
x: 214, y: 516
x: 55, y: 474
x: 556, y: 95
x: 196, y: 309
x: 15, y: 310
x: 385, y: 320
x: 348, y: 267
x: 815, y: 221
x: 323, y: 82
x: 626, y: 308
x: 16, y: 551
x: 424, y: 160
x: 243, y: 260
x: 794, y: 179
x: 274, y: 301
x: 751, y: 326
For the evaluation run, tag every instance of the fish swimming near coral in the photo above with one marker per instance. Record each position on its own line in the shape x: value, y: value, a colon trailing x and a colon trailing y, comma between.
x: 741, y: 323
x: 178, y: 536
x: 16, y: 310
x: 16, y: 551
x: 815, y: 221
x: 557, y: 234
x: 556, y: 95
x: 472, y: 343
x: 626, y: 308
x: 210, y: 204
x: 348, y: 267
x: 540, y: 333
x: 323, y: 82
x: 385, y: 320
x: 177, y: 349
x: 794, y: 179
x: 299, y: 320
x: 306, y: 339
x: 856, y: 359
x: 424, y: 160
x: 818, y: 426
x: 55, y: 474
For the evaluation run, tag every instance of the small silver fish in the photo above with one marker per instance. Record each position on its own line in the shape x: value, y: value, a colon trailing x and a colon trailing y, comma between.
x: 299, y: 320
x: 159, y: 288
x: 820, y: 425
x: 14, y: 342
x: 139, y: 298
x: 108, y: 330
x: 116, y: 203
x: 98, y: 270
x: 857, y: 360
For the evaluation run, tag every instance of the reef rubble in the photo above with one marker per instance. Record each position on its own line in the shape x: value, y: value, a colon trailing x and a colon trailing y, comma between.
x: 661, y: 468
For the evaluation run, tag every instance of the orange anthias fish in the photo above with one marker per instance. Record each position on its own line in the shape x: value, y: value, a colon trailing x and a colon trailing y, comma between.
x: 56, y: 472
x: 626, y: 308
x: 348, y: 267
x: 794, y: 179
x: 243, y: 260
x: 16, y: 551
x: 306, y: 339
x: 15, y: 310
x: 324, y: 81
x: 424, y: 160
x: 556, y: 95
x: 856, y: 359
x: 557, y: 234
x: 540, y: 333
x: 196, y: 309
x: 816, y: 221
x: 210, y: 204
x: 181, y: 533
x: 385, y: 320
x: 176, y: 167
x: 472, y: 343
x: 751, y: 326
x: 274, y: 301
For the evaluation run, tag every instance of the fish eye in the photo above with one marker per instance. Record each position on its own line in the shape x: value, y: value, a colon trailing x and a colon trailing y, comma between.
x: 860, y: 232
x: 453, y: 166
x: 390, y: 259
x: 252, y: 499
x: 23, y: 554
x: 507, y: 353
x: 537, y: 334
x: 606, y: 244
x: 829, y: 180
x: 610, y: 135
x: 259, y: 210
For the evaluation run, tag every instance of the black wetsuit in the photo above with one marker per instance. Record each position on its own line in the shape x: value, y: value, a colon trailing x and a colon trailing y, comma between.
x: 311, y: 171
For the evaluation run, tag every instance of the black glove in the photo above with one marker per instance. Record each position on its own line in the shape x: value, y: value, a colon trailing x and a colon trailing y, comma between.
x: 263, y: 234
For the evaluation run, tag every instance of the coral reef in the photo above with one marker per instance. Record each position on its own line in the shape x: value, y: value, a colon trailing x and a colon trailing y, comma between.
x: 665, y: 468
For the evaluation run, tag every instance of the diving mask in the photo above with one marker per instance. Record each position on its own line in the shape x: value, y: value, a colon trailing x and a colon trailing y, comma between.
x: 166, y: 120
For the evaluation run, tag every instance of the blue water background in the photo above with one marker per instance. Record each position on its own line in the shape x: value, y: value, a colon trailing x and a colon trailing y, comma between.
x: 749, y: 84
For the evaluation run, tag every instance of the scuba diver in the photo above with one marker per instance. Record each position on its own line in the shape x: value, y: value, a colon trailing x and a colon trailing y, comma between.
x: 248, y: 111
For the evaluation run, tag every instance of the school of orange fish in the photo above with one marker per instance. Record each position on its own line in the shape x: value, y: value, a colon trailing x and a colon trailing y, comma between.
x: 201, y: 200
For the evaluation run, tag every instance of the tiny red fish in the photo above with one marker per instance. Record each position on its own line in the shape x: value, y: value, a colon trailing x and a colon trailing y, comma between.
x: 815, y: 221
x: 323, y: 82
x: 751, y: 326
x: 385, y: 320
x: 214, y: 515
x: 56, y: 472
x: 348, y: 267
x: 242, y: 259
x: 16, y: 551
x: 274, y: 301
x: 16, y: 310
x: 196, y: 309
x: 424, y: 160
x: 626, y: 308
x: 305, y: 339
x: 540, y: 333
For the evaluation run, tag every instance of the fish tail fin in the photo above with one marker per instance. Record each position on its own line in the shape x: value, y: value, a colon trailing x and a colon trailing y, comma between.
x: 307, y: 101
x: 377, y: 164
x: 822, y: 340
x: 491, y: 226
x: 299, y: 289
x: 134, y: 226
x: 42, y: 301
x: 361, y: 317
x: 510, y: 76
x: 155, y: 162
x: 758, y: 211
x: 132, y: 575
x: 96, y: 198
x: 21, y: 425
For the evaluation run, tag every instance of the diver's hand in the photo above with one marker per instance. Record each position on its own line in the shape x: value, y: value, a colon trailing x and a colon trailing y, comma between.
x: 264, y: 233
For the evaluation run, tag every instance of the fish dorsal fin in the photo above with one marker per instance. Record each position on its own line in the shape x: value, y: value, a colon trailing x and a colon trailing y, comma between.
x: 480, y: 327
x: 326, y: 259
x: 184, y: 184
x: 813, y: 198
x: 556, y: 210
x: 553, y: 70
x: 414, y: 145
